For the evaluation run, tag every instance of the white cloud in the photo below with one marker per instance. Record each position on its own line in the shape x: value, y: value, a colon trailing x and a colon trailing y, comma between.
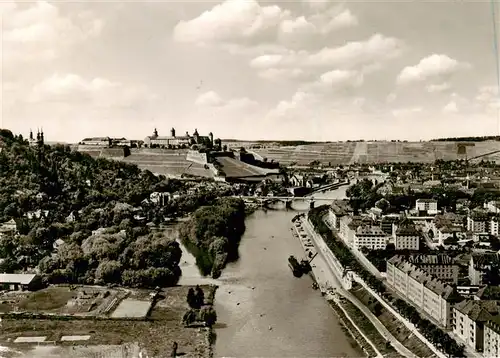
x: 366, y: 55
x: 451, y: 107
x: 341, y: 79
x: 41, y: 32
x: 212, y: 99
x: 391, y: 97
x: 407, y: 112
x: 442, y: 87
x: 209, y: 99
x: 318, y: 24
x: 97, y: 92
x: 317, y: 4
x: 278, y: 74
x: 246, y: 22
x: 431, y: 67
x: 231, y: 21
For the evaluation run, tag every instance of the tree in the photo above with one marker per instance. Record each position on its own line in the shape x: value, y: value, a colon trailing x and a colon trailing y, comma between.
x: 191, y: 298
x: 208, y: 316
x: 200, y: 296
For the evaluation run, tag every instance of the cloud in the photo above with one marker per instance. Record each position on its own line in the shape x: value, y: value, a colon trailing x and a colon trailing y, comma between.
x: 247, y: 23
x: 430, y: 68
x: 365, y: 55
x: 40, y: 32
x: 97, y: 92
x: 407, y: 112
x: 283, y: 74
x: 442, y: 87
x: 451, y: 107
x: 209, y: 99
x: 318, y: 24
x: 212, y: 99
x: 391, y: 97
x: 317, y: 4
x: 340, y: 80
x: 231, y: 21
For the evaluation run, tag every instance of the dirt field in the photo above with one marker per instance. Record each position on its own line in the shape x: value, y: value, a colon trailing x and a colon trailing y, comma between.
x: 154, y: 336
x: 88, y: 300
x: 393, y: 325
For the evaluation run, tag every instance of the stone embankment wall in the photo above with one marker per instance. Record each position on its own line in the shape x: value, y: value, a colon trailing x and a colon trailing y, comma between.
x: 197, y: 157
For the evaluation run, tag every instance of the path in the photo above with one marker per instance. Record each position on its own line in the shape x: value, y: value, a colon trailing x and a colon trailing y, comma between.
x: 360, y: 153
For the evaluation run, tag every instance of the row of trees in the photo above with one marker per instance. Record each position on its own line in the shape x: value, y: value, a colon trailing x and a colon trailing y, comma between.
x: 439, y: 338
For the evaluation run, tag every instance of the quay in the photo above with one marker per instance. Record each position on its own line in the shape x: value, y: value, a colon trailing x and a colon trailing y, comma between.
x: 335, y: 281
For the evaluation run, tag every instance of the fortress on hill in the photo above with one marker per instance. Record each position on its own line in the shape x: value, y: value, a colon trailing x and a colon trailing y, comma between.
x: 174, y: 141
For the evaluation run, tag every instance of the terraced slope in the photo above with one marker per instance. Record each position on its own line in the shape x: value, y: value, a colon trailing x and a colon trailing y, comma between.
x: 166, y: 162
x: 376, y: 152
x: 236, y: 168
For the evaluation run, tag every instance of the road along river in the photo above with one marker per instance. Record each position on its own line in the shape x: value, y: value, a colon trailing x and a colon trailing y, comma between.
x: 263, y: 311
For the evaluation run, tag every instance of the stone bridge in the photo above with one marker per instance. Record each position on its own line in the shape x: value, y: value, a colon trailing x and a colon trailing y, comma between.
x: 266, y: 201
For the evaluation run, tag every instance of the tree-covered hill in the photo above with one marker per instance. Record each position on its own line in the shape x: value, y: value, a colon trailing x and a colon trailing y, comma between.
x: 59, y: 199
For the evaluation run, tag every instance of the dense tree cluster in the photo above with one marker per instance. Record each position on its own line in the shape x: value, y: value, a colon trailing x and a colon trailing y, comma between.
x: 437, y: 336
x: 61, y: 200
x: 215, y: 232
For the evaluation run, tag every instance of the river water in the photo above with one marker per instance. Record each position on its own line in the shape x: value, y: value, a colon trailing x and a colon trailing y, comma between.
x: 263, y: 310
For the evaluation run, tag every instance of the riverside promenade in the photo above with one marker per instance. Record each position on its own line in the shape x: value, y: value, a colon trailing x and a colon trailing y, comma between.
x: 334, y: 282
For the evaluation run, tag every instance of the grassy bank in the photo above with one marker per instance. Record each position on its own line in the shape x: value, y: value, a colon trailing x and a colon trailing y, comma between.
x: 371, y: 332
x: 393, y: 325
x: 356, y: 339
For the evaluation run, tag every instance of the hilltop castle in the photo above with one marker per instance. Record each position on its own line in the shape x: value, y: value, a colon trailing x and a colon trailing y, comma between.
x: 177, y: 141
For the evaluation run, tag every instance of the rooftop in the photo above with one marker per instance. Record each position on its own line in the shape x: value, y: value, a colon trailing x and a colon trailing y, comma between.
x: 426, y: 201
x: 423, y: 259
x: 479, y: 311
x: 21, y: 278
x: 440, y: 288
x: 366, y: 230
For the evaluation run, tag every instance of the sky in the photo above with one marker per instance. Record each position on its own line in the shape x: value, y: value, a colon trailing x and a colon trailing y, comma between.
x: 312, y: 70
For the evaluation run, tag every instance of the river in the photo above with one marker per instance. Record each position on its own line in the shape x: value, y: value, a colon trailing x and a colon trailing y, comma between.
x: 263, y: 311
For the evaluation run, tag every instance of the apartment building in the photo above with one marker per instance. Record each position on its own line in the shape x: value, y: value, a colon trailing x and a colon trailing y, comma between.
x: 429, y: 206
x: 480, y: 265
x: 338, y: 210
x: 493, y: 206
x: 349, y: 225
x: 434, y: 297
x: 478, y: 221
x: 388, y: 223
x: 447, y: 225
x: 492, y: 338
x: 407, y: 237
x: 371, y: 237
x: 469, y: 320
x: 440, y: 266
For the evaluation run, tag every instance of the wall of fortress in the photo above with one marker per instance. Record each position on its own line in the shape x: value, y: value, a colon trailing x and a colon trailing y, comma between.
x: 197, y: 157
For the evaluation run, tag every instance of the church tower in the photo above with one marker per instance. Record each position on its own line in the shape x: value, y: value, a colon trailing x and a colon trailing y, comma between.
x: 155, y: 133
x: 172, y: 132
x: 196, y: 136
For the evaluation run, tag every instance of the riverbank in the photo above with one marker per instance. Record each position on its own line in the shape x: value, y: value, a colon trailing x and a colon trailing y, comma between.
x: 318, y: 274
x: 335, y: 287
